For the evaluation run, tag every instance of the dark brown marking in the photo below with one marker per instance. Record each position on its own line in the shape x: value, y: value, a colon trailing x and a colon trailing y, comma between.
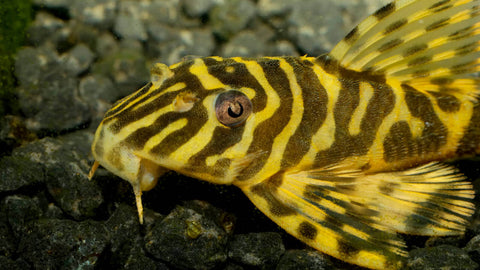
x: 415, y: 49
x: 462, y: 33
x: 346, y: 248
x: 396, y: 144
x: 129, y: 115
x: 315, y: 101
x: 390, y: 45
x: 241, y: 77
x: 114, y: 158
x: 385, y: 11
x: 446, y: 102
x: 331, y: 66
x: 437, y: 24
x: 469, y: 48
x: 268, y: 190
x: 99, y: 150
x: 221, y: 139
x: 438, y: 4
x: 419, y: 61
x: 443, y: 8
x: 394, y: 26
x: 441, y: 81
x: 314, y: 193
x: 334, y: 222
x: 399, y: 143
x: 352, y: 36
x: 469, y: 145
x: 388, y: 188
x: 197, y: 117
x: 464, y: 68
x: 265, y: 133
x: 345, y: 145
x: 127, y: 100
x: 421, y: 73
x: 307, y: 231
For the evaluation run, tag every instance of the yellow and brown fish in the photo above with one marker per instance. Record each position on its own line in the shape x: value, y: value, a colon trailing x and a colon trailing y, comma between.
x: 341, y: 150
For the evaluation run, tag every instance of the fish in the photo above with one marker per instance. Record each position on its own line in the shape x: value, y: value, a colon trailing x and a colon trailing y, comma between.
x: 344, y: 150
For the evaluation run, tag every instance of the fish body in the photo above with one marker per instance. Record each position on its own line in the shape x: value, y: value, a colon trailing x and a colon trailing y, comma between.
x: 342, y: 150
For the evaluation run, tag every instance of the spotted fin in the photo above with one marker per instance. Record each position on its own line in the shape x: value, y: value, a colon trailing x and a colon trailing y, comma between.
x: 355, y: 216
x: 430, y: 44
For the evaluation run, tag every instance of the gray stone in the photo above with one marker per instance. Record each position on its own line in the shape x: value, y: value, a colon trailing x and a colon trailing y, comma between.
x: 311, y: 24
x: 18, y: 172
x: 21, y: 210
x: 256, y: 249
x: 53, y: 105
x: 8, y: 243
x: 66, y: 166
x: 440, y: 257
x: 32, y: 63
x: 126, y: 245
x: 129, y: 27
x: 170, y: 45
x: 10, y: 264
x: 473, y: 248
x: 197, y: 8
x: 282, y: 48
x: 229, y: 17
x: 126, y: 67
x: 245, y: 44
x: 55, y: 244
x: 53, y: 4
x: 48, y: 93
x: 99, y: 13
x: 77, y: 60
x: 106, y: 44
x: 99, y: 92
x: 97, y: 87
x: 188, y: 238
x: 304, y: 259
x: 43, y: 27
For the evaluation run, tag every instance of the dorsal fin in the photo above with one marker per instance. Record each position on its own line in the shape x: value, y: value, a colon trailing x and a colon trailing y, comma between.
x: 434, y: 44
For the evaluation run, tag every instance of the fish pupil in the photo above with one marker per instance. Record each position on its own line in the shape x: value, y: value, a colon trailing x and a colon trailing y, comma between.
x: 235, y: 110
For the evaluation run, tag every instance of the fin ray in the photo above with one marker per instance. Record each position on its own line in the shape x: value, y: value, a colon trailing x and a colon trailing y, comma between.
x: 418, y: 43
x: 354, y: 216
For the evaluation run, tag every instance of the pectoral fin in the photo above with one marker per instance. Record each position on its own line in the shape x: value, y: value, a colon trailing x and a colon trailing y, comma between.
x: 355, y: 216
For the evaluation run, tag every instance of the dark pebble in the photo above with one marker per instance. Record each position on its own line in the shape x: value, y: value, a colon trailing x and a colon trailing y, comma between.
x: 99, y: 13
x: 126, y: 247
x: 19, y: 264
x: 127, y: 67
x: 256, y: 249
x: 65, y: 163
x: 440, y: 257
x: 56, y: 244
x: 77, y: 60
x: 171, y: 45
x: 8, y: 243
x: 197, y: 8
x: 20, y: 211
x: 43, y: 28
x: 229, y: 17
x: 473, y: 248
x: 188, y: 238
x: 18, y: 172
x: 48, y: 95
x: 304, y: 259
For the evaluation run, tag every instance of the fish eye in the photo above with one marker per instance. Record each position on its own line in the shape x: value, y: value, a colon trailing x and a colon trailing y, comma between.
x: 232, y: 108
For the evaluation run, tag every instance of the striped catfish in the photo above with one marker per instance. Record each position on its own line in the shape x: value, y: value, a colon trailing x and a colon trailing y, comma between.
x: 343, y: 151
